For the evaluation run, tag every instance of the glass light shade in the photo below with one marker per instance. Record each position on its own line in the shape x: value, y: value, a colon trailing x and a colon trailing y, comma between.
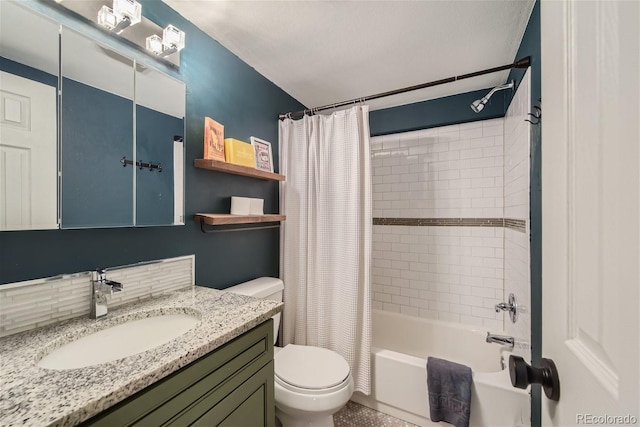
x: 173, y: 38
x: 154, y: 44
x: 107, y: 18
x: 130, y: 9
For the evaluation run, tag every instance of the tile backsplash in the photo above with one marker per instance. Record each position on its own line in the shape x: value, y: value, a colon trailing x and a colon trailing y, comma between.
x: 34, y: 303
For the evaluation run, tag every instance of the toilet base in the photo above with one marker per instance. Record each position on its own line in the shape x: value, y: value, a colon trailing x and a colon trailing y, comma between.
x: 309, y: 420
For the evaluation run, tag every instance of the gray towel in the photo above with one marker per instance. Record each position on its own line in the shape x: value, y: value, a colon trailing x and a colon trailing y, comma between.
x: 449, y: 386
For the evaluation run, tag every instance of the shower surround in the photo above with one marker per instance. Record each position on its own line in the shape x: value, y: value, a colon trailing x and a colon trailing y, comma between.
x: 451, y: 235
x: 445, y: 186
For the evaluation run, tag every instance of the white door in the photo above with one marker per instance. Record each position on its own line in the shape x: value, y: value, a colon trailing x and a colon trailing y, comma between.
x: 28, y: 172
x: 590, y: 214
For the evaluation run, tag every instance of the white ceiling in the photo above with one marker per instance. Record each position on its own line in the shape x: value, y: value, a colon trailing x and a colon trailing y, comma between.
x: 322, y: 52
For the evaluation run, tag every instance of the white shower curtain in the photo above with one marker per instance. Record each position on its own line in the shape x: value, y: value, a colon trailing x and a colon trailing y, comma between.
x: 326, y: 239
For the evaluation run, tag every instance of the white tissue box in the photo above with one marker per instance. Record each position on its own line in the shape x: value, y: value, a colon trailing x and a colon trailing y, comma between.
x: 256, y: 207
x: 240, y: 205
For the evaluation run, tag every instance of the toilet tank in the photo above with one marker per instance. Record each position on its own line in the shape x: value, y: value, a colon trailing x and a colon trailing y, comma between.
x: 266, y: 288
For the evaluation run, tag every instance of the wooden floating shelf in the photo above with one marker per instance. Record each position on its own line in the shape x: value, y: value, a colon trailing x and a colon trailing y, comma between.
x: 216, y: 165
x: 223, y: 219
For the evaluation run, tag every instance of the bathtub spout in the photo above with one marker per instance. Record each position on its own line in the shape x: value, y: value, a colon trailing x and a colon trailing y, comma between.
x: 500, y: 339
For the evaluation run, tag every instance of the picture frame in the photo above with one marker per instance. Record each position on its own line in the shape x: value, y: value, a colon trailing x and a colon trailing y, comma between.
x: 264, y: 154
x: 213, y: 140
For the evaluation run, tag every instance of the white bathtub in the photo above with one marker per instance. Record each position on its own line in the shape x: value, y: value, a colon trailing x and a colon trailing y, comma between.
x: 399, y: 383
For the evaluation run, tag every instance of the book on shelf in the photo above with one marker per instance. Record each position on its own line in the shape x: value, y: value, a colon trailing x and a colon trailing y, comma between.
x: 213, y: 140
x: 239, y: 152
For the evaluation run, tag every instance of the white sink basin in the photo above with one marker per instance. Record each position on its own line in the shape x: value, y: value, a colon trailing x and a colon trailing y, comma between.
x: 119, y: 341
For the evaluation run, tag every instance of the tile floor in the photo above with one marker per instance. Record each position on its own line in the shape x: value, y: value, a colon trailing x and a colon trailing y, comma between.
x: 356, y: 415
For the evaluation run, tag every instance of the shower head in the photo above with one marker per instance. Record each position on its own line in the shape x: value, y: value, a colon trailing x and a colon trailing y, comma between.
x: 479, y: 104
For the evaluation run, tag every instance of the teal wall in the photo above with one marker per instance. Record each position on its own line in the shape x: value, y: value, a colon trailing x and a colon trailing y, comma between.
x: 530, y: 46
x: 221, y: 86
x: 445, y: 111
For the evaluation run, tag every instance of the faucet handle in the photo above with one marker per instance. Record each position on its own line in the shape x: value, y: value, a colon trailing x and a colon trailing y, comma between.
x: 511, y: 306
x: 503, y: 306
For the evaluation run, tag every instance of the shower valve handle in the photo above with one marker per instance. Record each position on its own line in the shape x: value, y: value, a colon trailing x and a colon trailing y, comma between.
x: 503, y: 306
x: 511, y: 306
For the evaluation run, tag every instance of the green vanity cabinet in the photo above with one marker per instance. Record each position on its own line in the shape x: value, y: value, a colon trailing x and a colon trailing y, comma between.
x: 231, y: 386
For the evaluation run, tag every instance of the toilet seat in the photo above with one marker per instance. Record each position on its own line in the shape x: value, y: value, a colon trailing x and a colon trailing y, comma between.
x: 311, y: 392
x: 311, y: 370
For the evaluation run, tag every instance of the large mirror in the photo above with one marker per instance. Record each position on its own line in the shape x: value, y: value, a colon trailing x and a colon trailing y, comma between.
x: 115, y: 140
x: 28, y: 119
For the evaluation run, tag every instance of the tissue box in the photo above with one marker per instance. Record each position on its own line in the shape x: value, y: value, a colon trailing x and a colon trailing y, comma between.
x: 256, y: 207
x: 239, y: 153
x: 246, y: 206
x: 240, y: 205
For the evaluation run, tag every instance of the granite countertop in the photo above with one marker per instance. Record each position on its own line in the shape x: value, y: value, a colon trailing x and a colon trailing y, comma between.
x: 30, y: 395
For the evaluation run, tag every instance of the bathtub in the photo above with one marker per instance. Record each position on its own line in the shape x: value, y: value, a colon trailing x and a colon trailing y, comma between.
x: 401, y: 345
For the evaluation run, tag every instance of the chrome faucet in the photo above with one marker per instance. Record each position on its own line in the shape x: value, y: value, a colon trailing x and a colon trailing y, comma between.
x: 100, y: 287
x: 500, y: 339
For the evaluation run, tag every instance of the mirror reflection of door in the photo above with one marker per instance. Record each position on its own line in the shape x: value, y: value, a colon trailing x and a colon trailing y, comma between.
x: 97, y: 132
x: 28, y: 117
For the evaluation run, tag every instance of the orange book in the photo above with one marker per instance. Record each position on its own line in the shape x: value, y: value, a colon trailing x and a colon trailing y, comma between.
x: 213, y: 140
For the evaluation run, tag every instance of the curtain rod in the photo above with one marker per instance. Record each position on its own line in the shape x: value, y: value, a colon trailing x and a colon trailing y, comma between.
x: 521, y: 63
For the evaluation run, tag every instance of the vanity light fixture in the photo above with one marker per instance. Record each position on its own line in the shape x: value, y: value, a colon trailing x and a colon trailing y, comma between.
x: 125, y: 13
x: 154, y: 44
x: 172, y: 41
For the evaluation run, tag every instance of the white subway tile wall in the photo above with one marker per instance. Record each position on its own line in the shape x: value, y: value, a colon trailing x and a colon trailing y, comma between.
x: 518, y: 280
x: 447, y: 273
x: 517, y: 189
x: 34, y: 303
x: 447, y: 172
x: 444, y: 273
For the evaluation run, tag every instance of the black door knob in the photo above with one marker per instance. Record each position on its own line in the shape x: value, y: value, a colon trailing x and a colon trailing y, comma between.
x: 522, y: 374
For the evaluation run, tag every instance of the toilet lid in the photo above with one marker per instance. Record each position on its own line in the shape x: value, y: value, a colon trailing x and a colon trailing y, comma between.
x: 310, y: 367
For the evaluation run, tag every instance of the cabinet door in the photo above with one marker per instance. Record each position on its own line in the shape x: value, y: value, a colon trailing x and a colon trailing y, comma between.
x: 250, y: 405
x: 182, y: 398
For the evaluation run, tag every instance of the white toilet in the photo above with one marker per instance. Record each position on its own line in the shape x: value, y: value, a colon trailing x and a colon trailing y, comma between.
x: 311, y: 383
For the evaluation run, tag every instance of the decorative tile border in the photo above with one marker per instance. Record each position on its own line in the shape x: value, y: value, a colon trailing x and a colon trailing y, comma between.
x: 514, y: 224
x: 441, y: 222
